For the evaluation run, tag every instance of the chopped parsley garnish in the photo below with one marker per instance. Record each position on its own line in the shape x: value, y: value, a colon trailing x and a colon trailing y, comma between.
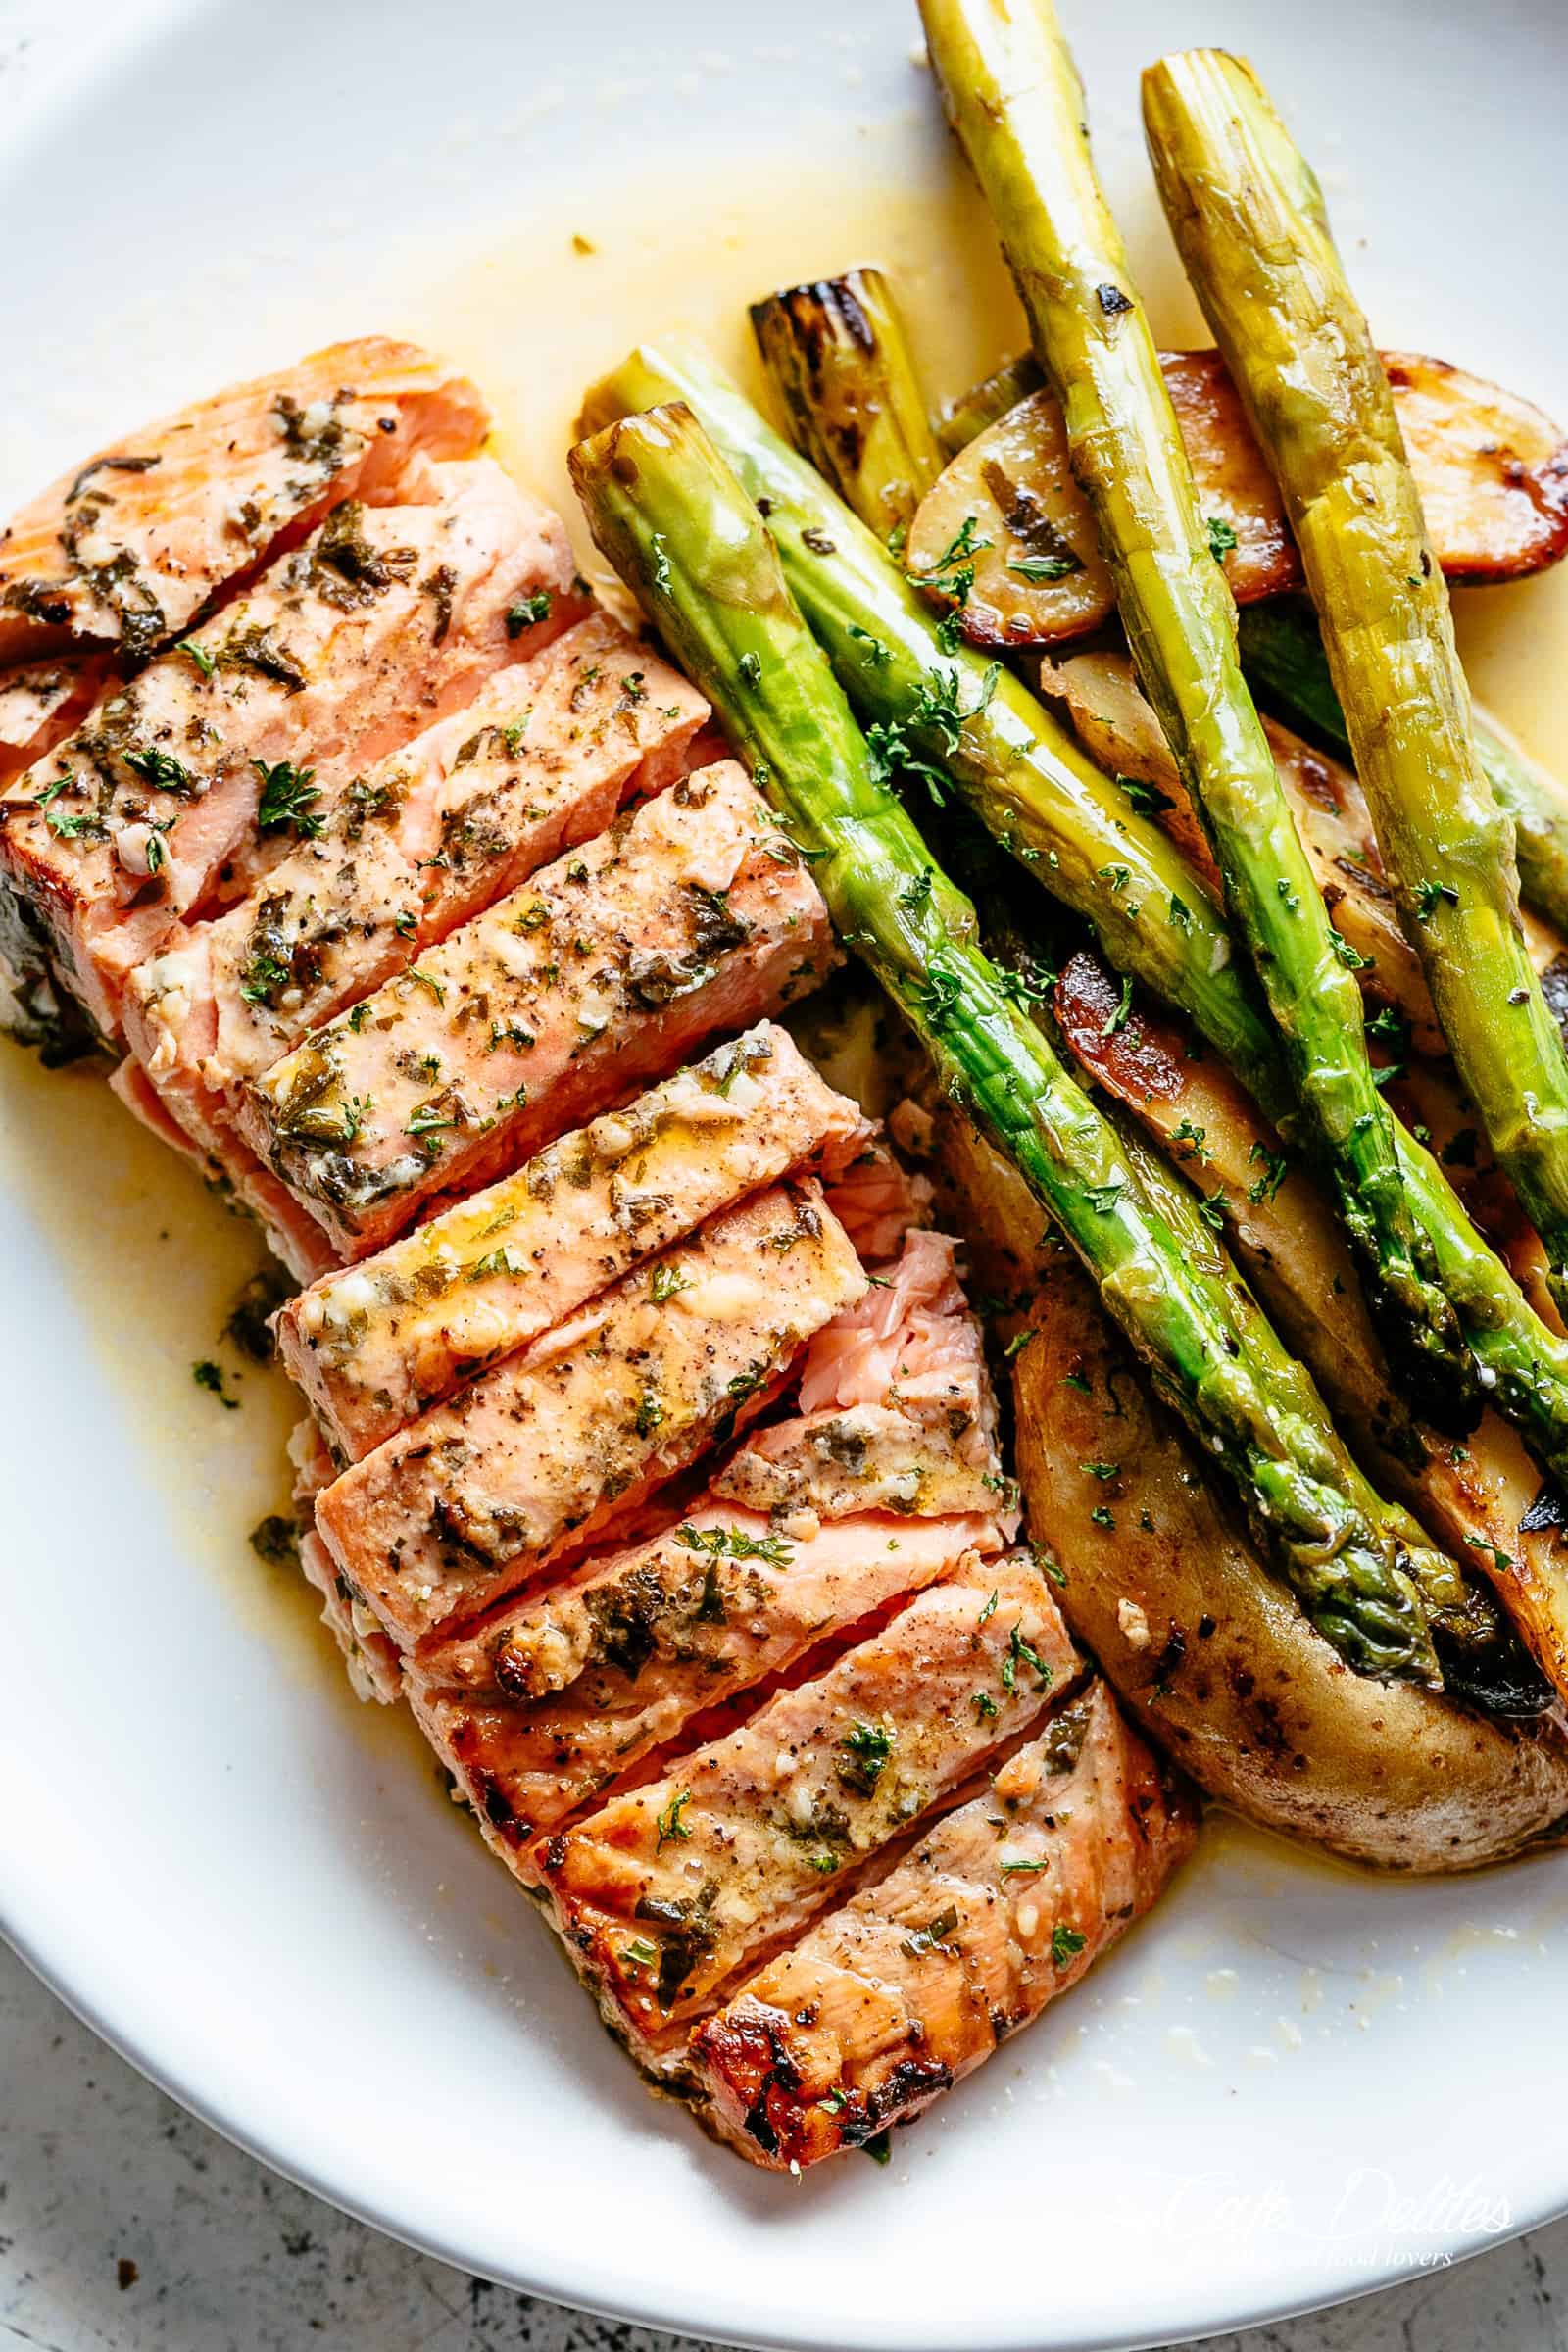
x: 160, y: 768
x: 1221, y: 537
x: 664, y: 1281
x: 650, y: 1413
x: 1065, y: 1943
x: 1022, y: 1652
x: 926, y: 1938
x: 528, y: 611
x: 1276, y: 1168
x: 1193, y: 1137
x: 287, y: 797
x: 670, y: 1825
x: 198, y: 653
x: 733, y: 1543
x: 1038, y: 568
x: 866, y: 1747
x: 208, y: 1375
x: 1430, y: 896
x: 1117, y: 1019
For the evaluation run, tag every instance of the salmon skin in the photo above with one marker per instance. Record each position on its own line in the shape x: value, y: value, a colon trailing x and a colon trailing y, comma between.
x: 231, y: 1168
x: 689, y: 916
x: 671, y: 1888
x: 897, y: 1409
x: 544, y: 1709
x: 537, y: 763
x: 915, y: 1981
x: 483, y: 1494
x: 384, y: 618
x: 373, y: 1346
x: 129, y: 547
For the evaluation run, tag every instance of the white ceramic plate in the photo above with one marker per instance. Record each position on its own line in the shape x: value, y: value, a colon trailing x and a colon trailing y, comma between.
x: 1293, y: 2083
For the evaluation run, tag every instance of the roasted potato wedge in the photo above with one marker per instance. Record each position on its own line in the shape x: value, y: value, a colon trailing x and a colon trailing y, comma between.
x: 1492, y: 472
x: 1205, y: 1648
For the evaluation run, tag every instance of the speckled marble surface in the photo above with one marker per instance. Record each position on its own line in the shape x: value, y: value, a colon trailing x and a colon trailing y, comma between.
x: 125, y: 2223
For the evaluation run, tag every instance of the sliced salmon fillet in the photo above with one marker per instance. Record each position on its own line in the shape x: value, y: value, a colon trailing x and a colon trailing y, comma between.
x: 369, y: 1659
x: 384, y: 618
x: 540, y: 761
x: 670, y: 1889
x: 374, y: 1345
x: 40, y: 703
x: 557, y: 1696
x: 129, y: 547
x: 686, y: 918
x: 915, y: 1981
x: 898, y: 1408
x: 547, y: 1448
x: 877, y: 1198
x: 230, y: 1167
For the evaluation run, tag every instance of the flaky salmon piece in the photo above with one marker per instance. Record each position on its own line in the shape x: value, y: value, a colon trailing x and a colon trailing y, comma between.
x: 668, y: 1891
x: 555, y: 1697
x: 232, y: 1168
x: 129, y: 547
x: 374, y: 1345
x: 40, y: 703
x: 913, y: 1982
x: 538, y: 762
x: 546, y: 1450
x: 689, y: 916
x: 896, y: 1408
x: 384, y: 619
x: 369, y: 1659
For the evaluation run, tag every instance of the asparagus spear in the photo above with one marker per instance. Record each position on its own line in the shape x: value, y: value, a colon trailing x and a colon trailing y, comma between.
x: 1282, y: 653
x: 679, y: 528
x: 956, y: 716
x: 837, y: 353
x: 963, y: 419
x: 1014, y: 98
x: 880, y: 639
x: 1249, y: 220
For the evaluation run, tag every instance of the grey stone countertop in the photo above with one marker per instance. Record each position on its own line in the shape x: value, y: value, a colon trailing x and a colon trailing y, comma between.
x: 125, y: 2223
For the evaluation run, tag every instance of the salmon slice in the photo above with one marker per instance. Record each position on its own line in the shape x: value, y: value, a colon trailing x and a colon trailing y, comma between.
x: 897, y: 1409
x: 876, y: 1199
x: 915, y: 1981
x: 686, y: 918
x: 229, y: 1167
x: 385, y: 618
x: 668, y: 1891
x: 539, y: 761
x: 557, y: 1698
x: 373, y: 1346
x: 370, y: 1660
x: 544, y: 1450
x: 40, y: 703
x: 129, y: 547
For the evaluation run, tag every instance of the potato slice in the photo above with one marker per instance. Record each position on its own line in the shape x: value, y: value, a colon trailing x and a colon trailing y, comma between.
x: 1492, y: 470
x: 1205, y: 1648
x: 1476, y: 1499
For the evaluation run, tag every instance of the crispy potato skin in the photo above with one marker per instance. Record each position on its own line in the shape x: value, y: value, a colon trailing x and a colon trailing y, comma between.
x: 1207, y: 1651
